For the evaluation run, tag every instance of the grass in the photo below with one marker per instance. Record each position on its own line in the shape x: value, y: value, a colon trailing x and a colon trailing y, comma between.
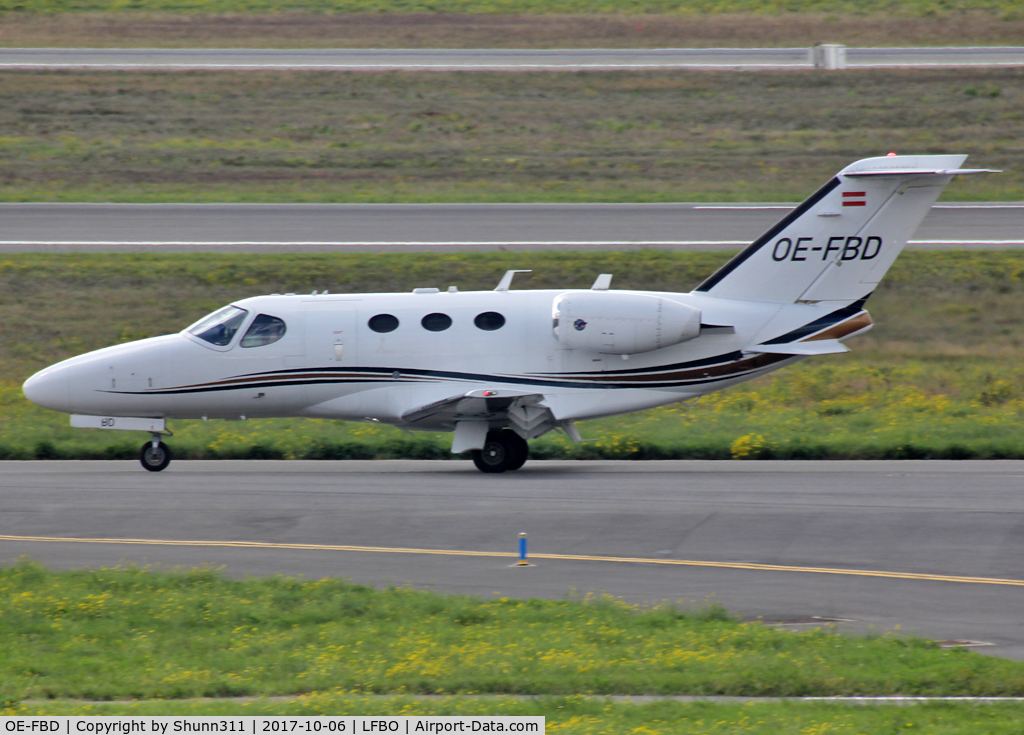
x: 127, y: 633
x: 146, y: 634
x: 845, y: 409
x: 399, y: 137
x: 295, y: 29
x: 938, y: 377
x: 590, y: 716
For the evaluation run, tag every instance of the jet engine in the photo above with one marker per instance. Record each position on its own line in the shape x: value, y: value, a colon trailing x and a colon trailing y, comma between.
x: 621, y: 323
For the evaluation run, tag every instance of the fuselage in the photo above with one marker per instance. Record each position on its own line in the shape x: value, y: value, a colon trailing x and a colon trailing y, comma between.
x: 376, y: 356
x: 502, y: 367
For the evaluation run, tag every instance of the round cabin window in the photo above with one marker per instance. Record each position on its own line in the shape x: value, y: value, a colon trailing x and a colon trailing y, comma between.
x: 489, y: 321
x: 384, y: 323
x: 436, y: 322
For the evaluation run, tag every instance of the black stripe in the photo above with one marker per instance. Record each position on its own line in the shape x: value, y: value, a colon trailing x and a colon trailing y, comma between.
x: 247, y: 386
x: 591, y: 385
x: 703, y: 362
x: 413, y: 373
x: 282, y: 378
x: 715, y: 278
x: 707, y: 361
x: 819, y: 324
x: 539, y: 383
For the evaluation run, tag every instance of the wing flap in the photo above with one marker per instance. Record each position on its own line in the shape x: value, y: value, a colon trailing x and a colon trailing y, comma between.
x: 477, y: 405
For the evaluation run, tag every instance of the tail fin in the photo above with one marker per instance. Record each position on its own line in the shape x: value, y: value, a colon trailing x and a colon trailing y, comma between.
x: 838, y: 244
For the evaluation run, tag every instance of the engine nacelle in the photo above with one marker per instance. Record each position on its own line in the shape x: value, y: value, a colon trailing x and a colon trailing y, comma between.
x: 621, y: 323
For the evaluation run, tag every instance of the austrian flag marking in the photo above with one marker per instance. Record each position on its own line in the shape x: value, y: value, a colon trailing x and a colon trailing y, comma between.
x: 855, y: 199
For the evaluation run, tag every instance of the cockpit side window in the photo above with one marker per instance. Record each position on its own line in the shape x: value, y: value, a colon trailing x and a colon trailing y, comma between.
x: 264, y: 330
x: 219, y: 328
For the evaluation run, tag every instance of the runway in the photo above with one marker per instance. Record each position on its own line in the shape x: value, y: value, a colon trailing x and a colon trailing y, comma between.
x: 936, y: 548
x: 58, y: 227
x: 496, y: 59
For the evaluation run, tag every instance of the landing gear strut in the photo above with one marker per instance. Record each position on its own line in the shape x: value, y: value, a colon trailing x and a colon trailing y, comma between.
x: 155, y: 455
x: 504, y: 451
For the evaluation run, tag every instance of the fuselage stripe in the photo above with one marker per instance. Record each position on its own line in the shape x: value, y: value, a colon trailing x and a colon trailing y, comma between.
x: 679, y: 379
x: 829, y: 320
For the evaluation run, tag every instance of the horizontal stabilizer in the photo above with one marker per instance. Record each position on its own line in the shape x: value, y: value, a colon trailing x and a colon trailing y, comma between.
x: 923, y: 172
x: 814, y: 347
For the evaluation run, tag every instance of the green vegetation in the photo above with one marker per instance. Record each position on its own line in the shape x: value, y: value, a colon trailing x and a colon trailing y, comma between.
x: 131, y: 633
x: 589, y: 716
x: 939, y: 376
x: 293, y: 29
x: 398, y: 137
x: 849, y: 409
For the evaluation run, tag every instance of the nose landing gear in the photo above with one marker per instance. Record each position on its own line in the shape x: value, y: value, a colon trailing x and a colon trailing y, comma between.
x: 155, y: 455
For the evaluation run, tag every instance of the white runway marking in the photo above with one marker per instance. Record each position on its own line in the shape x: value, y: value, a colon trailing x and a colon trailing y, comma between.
x: 506, y: 60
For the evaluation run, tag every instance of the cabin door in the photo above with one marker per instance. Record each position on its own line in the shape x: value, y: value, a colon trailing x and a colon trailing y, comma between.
x: 331, y: 332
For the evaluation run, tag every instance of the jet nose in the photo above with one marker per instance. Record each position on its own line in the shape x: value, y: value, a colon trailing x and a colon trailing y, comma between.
x: 49, y: 389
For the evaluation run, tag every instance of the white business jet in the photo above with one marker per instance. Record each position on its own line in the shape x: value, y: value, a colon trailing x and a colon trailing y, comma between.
x: 502, y: 367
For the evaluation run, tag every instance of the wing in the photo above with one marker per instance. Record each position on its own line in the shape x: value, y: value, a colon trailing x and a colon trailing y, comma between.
x: 523, y: 412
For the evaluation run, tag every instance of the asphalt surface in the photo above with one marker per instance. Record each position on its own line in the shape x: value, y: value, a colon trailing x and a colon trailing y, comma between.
x: 643, y: 531
x: 447, y: 227
x: 496, y: 59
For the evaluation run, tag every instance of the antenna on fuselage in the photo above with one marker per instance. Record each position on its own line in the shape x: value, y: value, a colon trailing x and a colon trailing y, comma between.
x: 506, y: 280
x: 603, y: 282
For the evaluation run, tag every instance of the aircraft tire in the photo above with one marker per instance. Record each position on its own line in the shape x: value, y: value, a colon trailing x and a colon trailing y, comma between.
x: 156, y: 458
x: 520, y: 450
x: 504, y: 451
x: 497, y: 454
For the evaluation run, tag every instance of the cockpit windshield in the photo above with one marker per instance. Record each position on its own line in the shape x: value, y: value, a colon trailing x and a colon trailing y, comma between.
x: 219, y: 328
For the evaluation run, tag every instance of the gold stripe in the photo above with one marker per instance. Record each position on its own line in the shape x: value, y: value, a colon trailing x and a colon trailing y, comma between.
x: 282, y: 377
x: 549, y: 557
x: 838, y: 331
x: 719, y: 370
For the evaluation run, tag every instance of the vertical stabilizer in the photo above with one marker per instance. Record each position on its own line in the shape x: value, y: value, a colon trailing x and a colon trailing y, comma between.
x: 839, y: 243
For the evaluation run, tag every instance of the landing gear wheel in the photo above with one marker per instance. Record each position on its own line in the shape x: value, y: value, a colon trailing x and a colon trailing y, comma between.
x: 155, y: 458
x: 503, y: 451
x: 521, y: 450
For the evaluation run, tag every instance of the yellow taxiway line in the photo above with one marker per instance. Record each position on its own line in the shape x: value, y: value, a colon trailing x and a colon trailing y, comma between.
x: 533, y: 557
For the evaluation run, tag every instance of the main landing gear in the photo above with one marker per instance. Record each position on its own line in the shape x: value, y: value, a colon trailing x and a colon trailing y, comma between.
x: 503, y: 451
x: 155, y: 455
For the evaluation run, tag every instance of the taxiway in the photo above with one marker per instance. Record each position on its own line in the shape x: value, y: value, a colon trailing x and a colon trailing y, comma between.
x: 40, y: 227
x: 933, y: 548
